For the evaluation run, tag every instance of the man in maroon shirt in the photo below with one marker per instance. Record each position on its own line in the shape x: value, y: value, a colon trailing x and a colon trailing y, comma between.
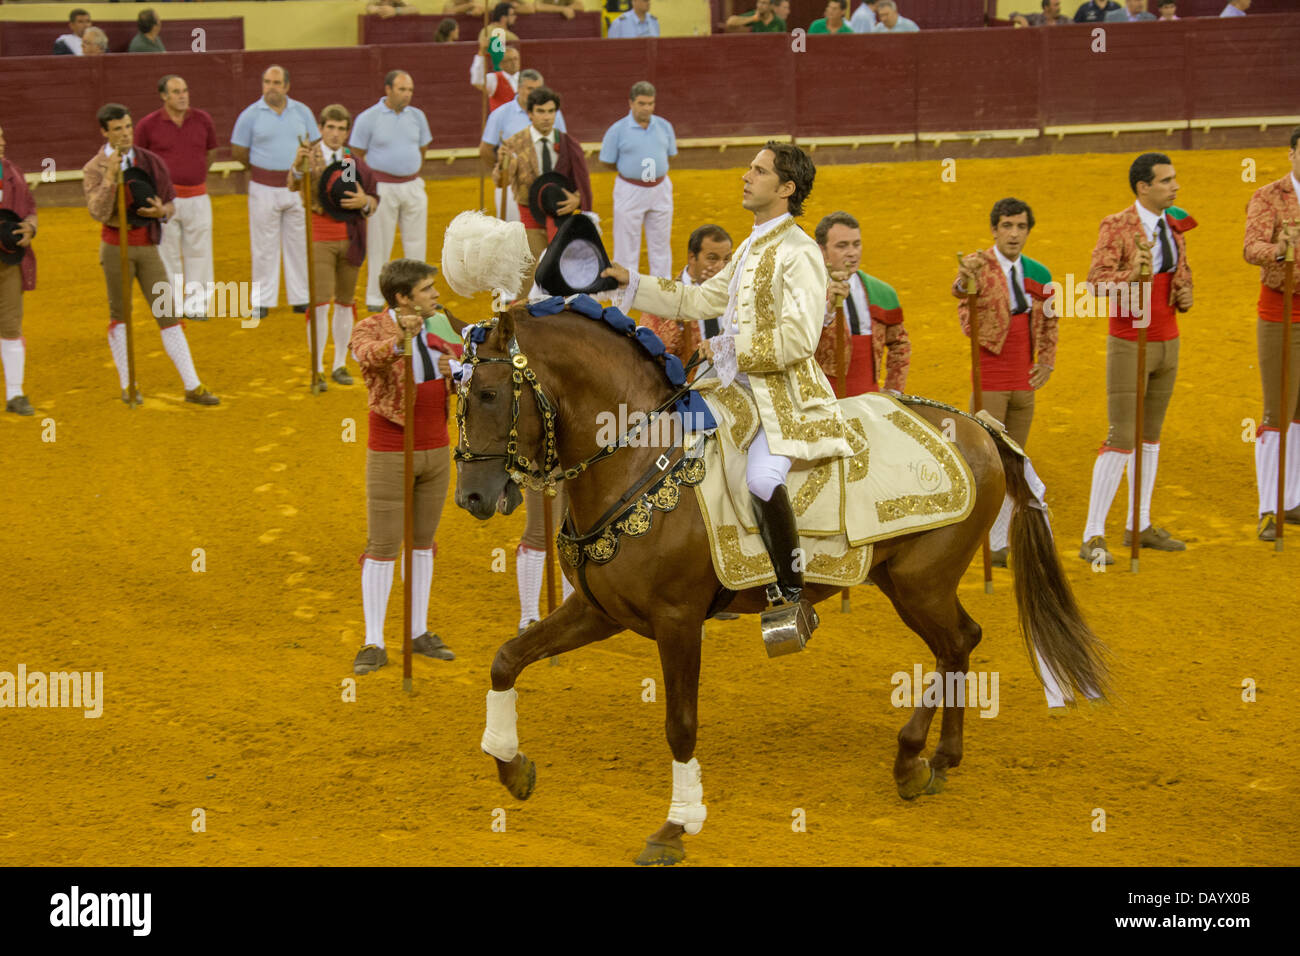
x: 186, y: 141
x: 377, y: 342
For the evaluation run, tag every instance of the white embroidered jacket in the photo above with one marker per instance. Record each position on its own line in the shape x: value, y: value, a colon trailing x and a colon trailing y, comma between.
x: 780, y: 304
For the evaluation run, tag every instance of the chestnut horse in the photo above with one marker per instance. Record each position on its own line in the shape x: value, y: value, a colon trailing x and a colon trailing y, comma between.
x: 570, y: 369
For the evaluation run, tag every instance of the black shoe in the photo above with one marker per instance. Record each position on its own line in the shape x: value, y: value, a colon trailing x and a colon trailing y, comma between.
x: 369, y: 658
x: 19, y: 405
x: 300, y: 309
x: 259, y: 313
x: 341, y: 375
x: 430, y: 645
x: 776, y: 526
x: 375, y: 309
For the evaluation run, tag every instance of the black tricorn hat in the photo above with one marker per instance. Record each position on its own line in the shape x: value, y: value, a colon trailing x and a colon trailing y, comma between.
x: 336, y: 181
x: 545, y: 195
x: 10, y: 252
x: 140, y: 189
x: 574, y: 260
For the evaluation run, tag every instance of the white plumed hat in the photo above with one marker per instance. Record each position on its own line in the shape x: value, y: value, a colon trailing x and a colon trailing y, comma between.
x: 482, y: 254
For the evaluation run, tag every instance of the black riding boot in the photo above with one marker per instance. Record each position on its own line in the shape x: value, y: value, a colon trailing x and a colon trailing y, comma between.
x: 780, y: 536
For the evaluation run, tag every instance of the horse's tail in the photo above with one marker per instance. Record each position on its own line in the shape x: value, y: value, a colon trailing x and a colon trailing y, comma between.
x: 1050, y: 620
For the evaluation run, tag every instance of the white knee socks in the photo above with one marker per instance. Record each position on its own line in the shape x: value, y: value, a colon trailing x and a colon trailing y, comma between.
x: 322, y: 317
x: 1150, y: 458
x: 376, y: 583
x: 1266, y: 449
x: 178, y: 350
x: 421, y: 584
x: 342, y: 334
x: 1106, y: 473
x: 1292, y: 467
x: 530, y: 567
x: 117, y: 345
x: 12, y: 355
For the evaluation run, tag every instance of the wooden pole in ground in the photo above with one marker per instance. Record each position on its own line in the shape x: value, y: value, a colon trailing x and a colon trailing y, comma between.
x: 313, y: 342
x: 1144, y: 294
x: 1284, y: 424
x: 977, y: 393
x: 483, y: 113
x: 408, y: 500
x: 124, y: 251
x: 841, y: 368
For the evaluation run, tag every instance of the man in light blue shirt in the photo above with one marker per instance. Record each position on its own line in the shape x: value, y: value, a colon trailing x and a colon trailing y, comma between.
x: 888, y: 20
x: 1236, y: 8
x: 502, y: 123
x: 864, y: 17
x: 638, y: 146
x: 635, y: 23
x: 266, y: 139
x: 391, y: 137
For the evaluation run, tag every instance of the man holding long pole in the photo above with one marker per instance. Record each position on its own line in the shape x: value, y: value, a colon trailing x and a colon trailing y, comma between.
x: 398, y: 414
x: 145, y: 189
x: 1272, y: 234
x: 1115, y: 272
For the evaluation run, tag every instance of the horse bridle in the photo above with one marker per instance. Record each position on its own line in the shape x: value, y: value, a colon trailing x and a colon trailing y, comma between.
x: 520, y: 468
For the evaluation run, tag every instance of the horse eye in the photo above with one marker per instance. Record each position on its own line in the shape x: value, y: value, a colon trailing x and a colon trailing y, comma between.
x: 487, y: 394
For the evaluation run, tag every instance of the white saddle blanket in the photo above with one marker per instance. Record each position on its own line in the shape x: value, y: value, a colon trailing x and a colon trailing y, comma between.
x: 903, y: 477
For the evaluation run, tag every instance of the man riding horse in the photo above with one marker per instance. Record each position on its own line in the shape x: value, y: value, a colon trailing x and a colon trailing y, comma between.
x: 772, y: 298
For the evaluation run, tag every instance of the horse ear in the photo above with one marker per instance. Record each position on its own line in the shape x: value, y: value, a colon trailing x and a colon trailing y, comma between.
x: 503, y: 330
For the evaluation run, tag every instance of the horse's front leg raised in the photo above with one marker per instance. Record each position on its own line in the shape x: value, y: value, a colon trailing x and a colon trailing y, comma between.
x: 679, y: 654
x: 574, y: 623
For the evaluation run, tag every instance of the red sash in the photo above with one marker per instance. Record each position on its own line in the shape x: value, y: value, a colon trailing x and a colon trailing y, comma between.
x: 1164, y: 321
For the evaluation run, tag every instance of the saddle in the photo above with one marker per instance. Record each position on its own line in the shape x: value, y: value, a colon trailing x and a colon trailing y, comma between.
x: 903, y: 477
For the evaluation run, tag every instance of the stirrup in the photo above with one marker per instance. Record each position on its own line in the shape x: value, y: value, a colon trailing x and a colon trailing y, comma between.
x: 787, y: 626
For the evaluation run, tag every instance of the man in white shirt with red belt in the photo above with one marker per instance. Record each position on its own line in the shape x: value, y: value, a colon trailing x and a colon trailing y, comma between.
x: 638, y: 146
x: 266, y: 139
x: 391, y: 137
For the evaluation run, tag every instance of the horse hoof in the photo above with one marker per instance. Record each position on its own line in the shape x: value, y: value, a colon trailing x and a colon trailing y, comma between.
x: 920, y: 781
x: 661, y: 854
x: 938, y: 780
x: 523, y: 779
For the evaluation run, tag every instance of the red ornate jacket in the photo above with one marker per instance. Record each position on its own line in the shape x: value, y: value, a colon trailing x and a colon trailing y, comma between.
x: 374, y: 340
x: 887, y: 331
x: 18, y: 198
x: 1264, y: 214
x: 994, y: 304
x: 1116, y: 251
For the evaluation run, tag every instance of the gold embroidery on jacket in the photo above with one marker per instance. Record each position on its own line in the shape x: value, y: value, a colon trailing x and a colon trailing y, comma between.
x: 811, y: 488
x: 763, y: 358
x: 791, y: 428
x: 861, y: 460
x: 742, y: 410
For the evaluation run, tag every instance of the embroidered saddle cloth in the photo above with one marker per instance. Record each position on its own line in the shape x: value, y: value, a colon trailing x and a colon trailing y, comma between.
x: 904, y: 476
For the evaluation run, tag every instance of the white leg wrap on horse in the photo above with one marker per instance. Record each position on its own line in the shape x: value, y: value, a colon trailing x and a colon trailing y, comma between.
x: 501, y: 738
x: 688, y: 810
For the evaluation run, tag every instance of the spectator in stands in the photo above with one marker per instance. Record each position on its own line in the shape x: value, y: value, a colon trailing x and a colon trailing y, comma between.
x: 761, y: 19
x: 565, y: 8
x: 186, y: 140
x: 889, y: 21
x: 503, y: 84
x: 498, y: 34
x: 637, y: 22
x: 540, y: 149
x: 391, y: 137
x: 1135, y: 10
x: 391, y: 8
x: 1236, y: 8
x: 1094, y: 11
x: 504, y: 122
x: 834, y: 21
x: 448, y: 31
x: 94, y: 42
x: 1050, y: 17
x: 147, y: 39
x: 70, y: 42
x: 864, y: 17
x: 638, y: 147
x: 265, y: 139
x: 1168, y: 10
x: 782, y: 10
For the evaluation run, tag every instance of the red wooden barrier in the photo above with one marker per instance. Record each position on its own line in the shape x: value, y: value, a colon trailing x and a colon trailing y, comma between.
x: 36, y: 37
x: 721, y: 85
